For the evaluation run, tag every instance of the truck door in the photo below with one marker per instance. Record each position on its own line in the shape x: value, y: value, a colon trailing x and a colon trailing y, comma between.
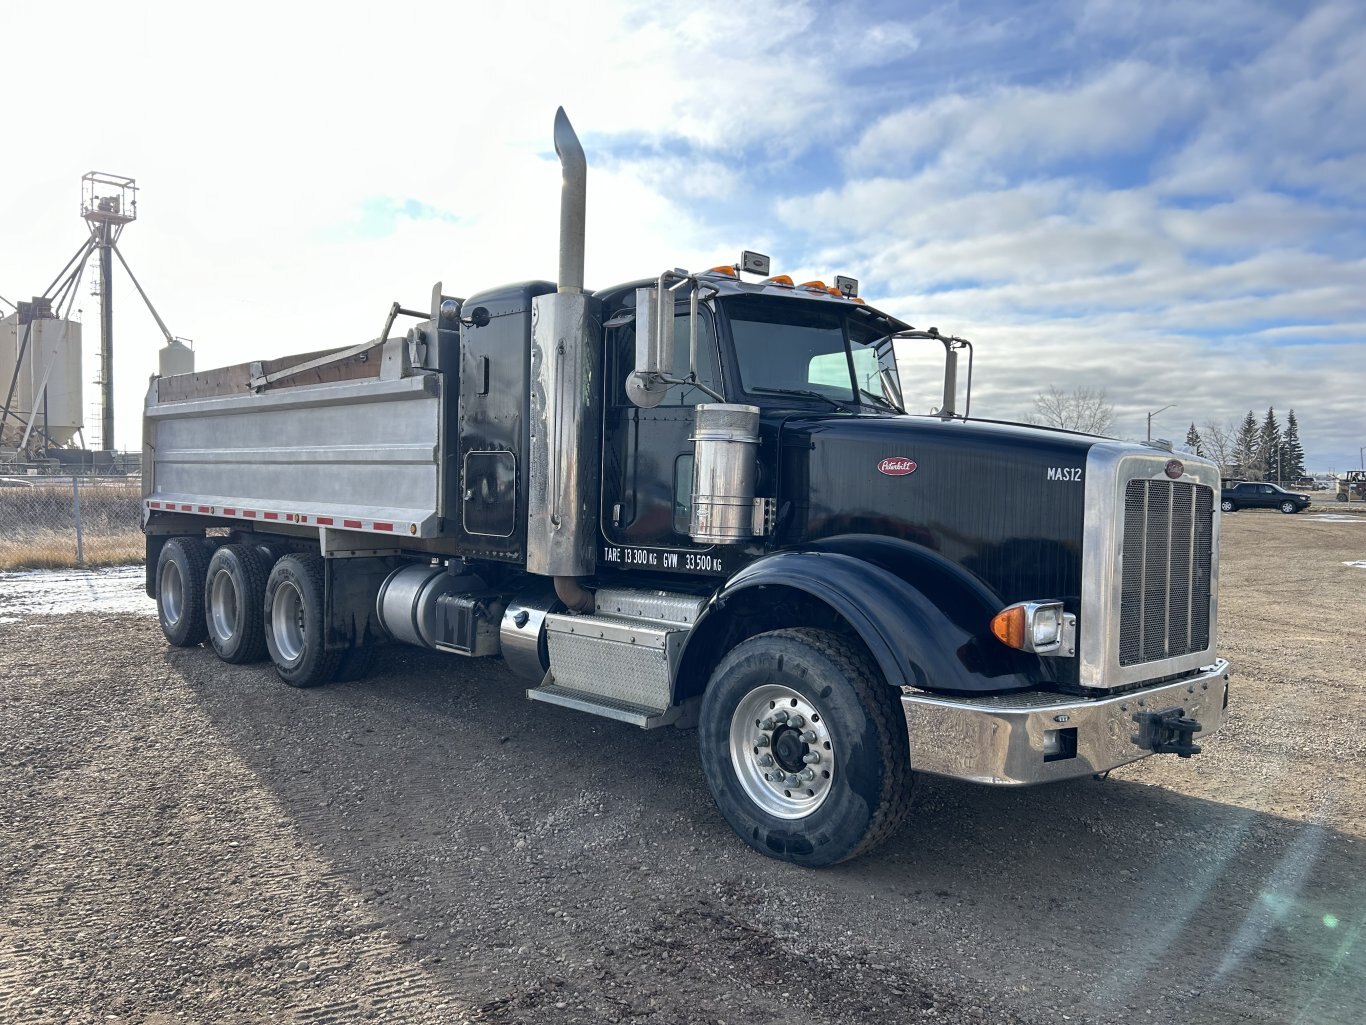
x: 647, y: 454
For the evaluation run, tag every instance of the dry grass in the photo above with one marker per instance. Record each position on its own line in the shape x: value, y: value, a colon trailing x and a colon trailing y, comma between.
x: 38, y: 527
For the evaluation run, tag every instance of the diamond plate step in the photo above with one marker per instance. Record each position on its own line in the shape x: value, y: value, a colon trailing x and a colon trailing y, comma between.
x: 609, y: 708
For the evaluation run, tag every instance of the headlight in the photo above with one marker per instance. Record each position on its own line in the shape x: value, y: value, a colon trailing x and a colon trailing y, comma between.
x: 1040, y: 627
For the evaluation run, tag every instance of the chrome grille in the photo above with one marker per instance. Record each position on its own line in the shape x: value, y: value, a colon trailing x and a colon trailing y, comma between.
x: 1165, y: 583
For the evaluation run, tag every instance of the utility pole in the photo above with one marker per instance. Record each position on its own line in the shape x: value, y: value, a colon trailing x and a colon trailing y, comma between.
x: 1153, y: 414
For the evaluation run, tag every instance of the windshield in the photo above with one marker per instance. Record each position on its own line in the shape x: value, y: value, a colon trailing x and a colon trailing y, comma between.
x: 810, y: 349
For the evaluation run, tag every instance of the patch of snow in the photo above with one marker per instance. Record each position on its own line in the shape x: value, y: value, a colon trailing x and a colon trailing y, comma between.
x: 1359, y: 564
x: 1336, y: 518
x: 61, y: 592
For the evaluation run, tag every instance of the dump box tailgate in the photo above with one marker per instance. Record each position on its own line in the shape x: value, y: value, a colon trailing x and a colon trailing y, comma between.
x: 362, y: 454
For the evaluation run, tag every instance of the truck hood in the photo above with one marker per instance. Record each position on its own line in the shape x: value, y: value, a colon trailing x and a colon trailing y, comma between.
x: 1005, y: 501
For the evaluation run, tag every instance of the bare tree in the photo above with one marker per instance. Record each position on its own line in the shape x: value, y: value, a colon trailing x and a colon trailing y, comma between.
x: 1221, y: 444
x: 1083, y: 409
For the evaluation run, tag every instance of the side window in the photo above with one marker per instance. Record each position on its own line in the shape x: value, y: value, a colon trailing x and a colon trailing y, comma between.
x: 621, y: 346
x: 686, y: 394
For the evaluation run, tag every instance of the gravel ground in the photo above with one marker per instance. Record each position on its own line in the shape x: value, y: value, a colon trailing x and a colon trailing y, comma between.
x: 184, y: 841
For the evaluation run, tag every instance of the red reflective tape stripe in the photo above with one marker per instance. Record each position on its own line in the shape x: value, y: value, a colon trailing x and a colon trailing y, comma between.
x: 351, y: 523
x: 206, y: 508
x: 154, y: 505
x: 186, y: 508
x: 272, y: 516
x: 249, y: 514
x: 325, y: 521
x: 229, y: 512
x: 384, y: 526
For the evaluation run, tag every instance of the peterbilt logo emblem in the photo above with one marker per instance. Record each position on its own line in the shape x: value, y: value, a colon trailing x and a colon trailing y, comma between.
x: 1175, y: 468
x: 896, y: 466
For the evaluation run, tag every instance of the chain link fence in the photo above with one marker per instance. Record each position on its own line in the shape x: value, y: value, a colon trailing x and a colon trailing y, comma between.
x: 49, y: 521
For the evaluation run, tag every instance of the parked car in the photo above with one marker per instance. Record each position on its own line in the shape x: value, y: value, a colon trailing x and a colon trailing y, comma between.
x: 1303, y: 483
x: 1260, y: 495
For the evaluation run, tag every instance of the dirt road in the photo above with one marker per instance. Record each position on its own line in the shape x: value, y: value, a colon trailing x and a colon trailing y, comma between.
x: 183, y: 841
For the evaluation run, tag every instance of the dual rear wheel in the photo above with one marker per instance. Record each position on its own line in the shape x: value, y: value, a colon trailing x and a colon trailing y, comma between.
x: 248, y: 605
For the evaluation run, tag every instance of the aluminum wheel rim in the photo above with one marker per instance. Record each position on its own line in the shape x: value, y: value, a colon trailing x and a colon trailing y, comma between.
x: 171, y: 587
x: 785, y: 769
x: 222, y: 607
x: 287, y: 621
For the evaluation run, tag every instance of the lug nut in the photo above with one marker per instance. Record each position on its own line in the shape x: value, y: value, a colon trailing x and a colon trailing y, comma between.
x: 767, y: 724
x: 761, y: 740
x: 808, y: 774
x: 766, y: 760
x: 773, y: 777
x: 796, y: 721
x: 793, y: 780
x: 811, y: 758
x: 809, y: 737
x: 780, y: 715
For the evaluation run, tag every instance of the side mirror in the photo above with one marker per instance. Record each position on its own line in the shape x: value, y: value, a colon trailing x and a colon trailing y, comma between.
x: 647, y: 385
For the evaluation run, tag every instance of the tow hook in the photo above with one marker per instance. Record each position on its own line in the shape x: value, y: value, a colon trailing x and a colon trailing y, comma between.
x: 1167, y: 732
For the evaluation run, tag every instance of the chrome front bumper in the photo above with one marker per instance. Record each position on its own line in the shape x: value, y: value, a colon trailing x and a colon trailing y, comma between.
x: 1041, y: 737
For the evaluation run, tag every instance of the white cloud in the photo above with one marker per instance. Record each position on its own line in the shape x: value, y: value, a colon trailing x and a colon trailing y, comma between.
x: 1116, y: 111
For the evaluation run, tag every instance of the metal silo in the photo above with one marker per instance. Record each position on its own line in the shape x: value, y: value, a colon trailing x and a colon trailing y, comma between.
x: 54, y: 369
x: 175, y: 357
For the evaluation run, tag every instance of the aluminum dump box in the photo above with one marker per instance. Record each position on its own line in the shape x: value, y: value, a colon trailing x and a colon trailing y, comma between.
x: 360, y: 454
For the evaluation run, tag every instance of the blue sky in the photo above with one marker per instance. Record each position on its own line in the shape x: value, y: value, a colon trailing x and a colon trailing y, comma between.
x: 1164, y: 200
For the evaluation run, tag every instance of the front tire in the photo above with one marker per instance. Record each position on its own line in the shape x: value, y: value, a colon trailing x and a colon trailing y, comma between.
x: 235, y: 590
x: 1227, y: 506
x: 180, y: 590
x: 295, y: 627
x: 1289, y: 507
x: 855, y: 791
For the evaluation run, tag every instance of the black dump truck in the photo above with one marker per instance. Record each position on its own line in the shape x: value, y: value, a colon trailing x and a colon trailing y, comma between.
x: 696, y: 500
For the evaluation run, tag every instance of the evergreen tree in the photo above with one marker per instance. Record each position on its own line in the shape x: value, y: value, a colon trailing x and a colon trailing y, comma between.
x: 1245, y: 450
x: 1292, y: 452
x: 1269, y: 447
x: 1194, y: 442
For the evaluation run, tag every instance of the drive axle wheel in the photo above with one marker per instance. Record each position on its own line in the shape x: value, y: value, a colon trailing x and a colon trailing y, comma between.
x: 180, y: 590
x: 294, y: 622
x: 234, y: 596
x: 804, y: 747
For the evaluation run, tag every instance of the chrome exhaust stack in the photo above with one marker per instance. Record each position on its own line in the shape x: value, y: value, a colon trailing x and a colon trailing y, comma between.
x: 566, y: 401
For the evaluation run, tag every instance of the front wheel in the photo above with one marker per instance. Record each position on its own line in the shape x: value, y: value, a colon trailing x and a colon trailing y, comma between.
x: 1289, y: 507
x: 804, y: 747
x: 1227, y: 506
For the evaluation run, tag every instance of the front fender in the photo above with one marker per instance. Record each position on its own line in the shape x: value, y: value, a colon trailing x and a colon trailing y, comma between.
x: 924, y: 619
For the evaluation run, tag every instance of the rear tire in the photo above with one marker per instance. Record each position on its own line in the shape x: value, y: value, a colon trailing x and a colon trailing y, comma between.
x: 1227, y: 506
x: 295, y: 626
x: 234, y: 596
x: 859, y: 787
x: 180, y: 591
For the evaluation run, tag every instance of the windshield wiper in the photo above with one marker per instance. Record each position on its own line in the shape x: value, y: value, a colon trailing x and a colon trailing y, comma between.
x: 843, y: 407
x: 881, y: 401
